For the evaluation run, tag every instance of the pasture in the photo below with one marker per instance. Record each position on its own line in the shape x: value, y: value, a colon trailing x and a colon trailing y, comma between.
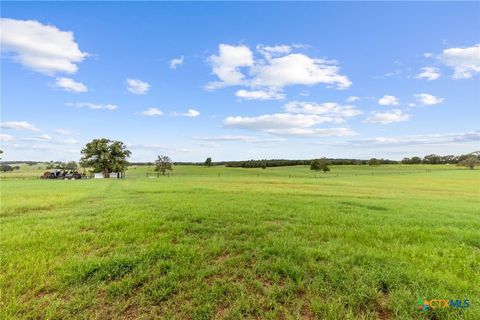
x: 359, y: 242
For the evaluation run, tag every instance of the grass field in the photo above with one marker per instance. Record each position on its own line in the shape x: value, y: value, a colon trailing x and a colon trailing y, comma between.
x: 228, y: 243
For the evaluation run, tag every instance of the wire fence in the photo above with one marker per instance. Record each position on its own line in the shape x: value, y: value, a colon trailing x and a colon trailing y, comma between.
x: 254, y: 173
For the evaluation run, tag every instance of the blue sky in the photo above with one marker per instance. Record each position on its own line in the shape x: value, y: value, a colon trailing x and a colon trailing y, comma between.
x: 240, y: 80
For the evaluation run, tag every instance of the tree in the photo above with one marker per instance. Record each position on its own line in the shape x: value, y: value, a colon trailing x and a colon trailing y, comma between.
x: 208, y: 162
x: 264, y: 164
x: 1, y: 154
x: 5, y: 168
x: 163, y: 163
x: 320, y: 164
x: 71, y: 165
x: 105, y: 156
x: 470, y: 162
x: 374, y: 162
x: 431, y: 159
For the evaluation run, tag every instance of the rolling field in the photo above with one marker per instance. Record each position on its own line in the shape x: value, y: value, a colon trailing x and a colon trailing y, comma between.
x: 229, y: 243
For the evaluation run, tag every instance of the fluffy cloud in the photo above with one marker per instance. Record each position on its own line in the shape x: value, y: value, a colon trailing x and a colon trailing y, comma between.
x: 331, y: 109
x: 429, y: 73
x: 387, y: 117
x: 6, y: 138
x: 464, y: 61
x: 70, y: 85
x: 276, y: 68
x: 174, y: 63
x: 19, y: 125
x: 387, y: 100
x: 152, y: 112
x: 191, y: 113
x: 352, y: 99
x: 136, y: 86
x: 39, y: 47
x: 247, y: 139
x: 427, y: 99
x: 93, y: 106
x: 295, y: 69
x: 226, y: 65
x: 260, y: 95
x: 287, y: 124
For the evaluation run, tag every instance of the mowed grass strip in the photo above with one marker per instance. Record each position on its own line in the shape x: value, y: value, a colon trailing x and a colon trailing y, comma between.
x: 230, y: 243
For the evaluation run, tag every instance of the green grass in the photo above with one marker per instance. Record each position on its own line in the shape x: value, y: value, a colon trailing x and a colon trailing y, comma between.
x: 227, y: 243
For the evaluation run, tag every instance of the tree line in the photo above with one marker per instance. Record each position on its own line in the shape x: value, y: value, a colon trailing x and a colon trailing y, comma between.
x: 436, y: 159
x: 104, y: 155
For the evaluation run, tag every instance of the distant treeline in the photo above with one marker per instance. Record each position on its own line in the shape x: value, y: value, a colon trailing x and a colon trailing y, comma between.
x: 436, y: 159
x: 285, y: 162
x: 428, y: 159
x: 30, y: 163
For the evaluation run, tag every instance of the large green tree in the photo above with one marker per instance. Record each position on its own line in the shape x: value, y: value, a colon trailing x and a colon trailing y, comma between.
x: 320, y: 164
x: 163, y: 163
x: 105, y: 156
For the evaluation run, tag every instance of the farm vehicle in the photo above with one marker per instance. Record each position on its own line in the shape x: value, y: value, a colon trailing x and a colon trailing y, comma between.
x: 63, y: 174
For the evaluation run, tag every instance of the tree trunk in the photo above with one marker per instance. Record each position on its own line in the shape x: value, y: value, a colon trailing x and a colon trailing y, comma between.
x: 106, y: 174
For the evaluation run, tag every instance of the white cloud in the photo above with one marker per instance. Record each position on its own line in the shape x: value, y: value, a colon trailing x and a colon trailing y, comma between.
x: 427, y: 99
x: 19, y: 125
x: 464, y: 61
x: 429, y: 73
x: 269, y: 51
x: 44, y: 137
x: 260, y: 95
x: 70, y: 85
x: 297, y: 69
x: 70, y: 141
x: 174, y: 63
x: 428, y: 55
x: 152, y: 112
x: 247, y: 139
x: 331, y: 109
x: 191, y: 113
x: 276, y: 68
x: 387, y: 117
x: 226, y: 65
x: 93, y: 106
x: 352, y: 99
x: 6, y: 138
x: 287, y: 124
x: 63, y: 132
x: 427, y: 139
x: 276, y: 121
x: 387, y: 100
x: 136, y: 86
x: 41, y: 138
x: 39, y: 47
x: 312, y: 132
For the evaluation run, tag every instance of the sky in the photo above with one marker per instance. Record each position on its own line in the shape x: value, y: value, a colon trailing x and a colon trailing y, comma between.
x: 236, y: 81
